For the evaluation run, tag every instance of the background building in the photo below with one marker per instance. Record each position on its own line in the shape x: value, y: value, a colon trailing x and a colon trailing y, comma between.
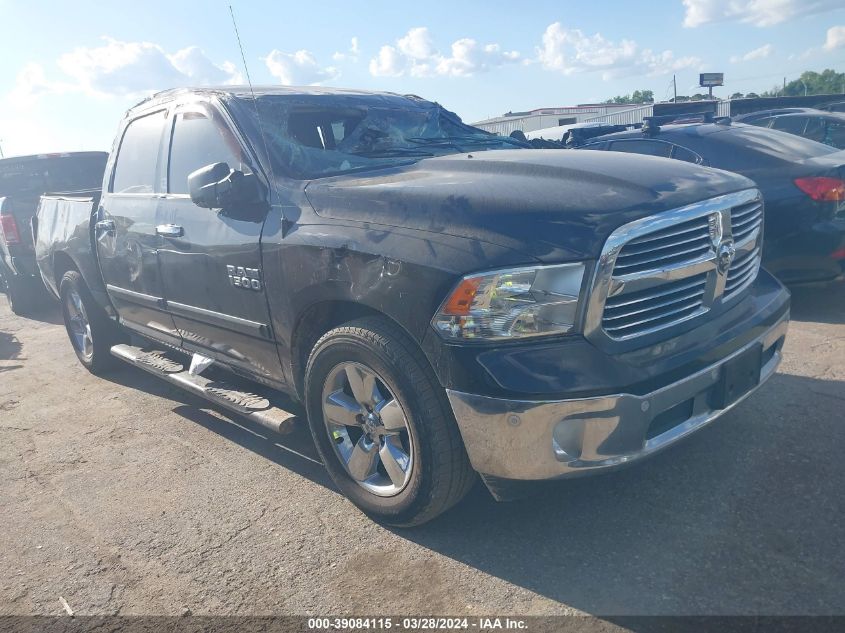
x: 627, y: 114
x: 548, y: 117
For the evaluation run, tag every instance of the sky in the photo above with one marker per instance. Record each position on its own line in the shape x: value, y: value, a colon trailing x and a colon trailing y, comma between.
x: 69, y: 71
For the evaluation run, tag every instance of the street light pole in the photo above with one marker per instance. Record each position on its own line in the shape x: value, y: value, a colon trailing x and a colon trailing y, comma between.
x: 2, y: 155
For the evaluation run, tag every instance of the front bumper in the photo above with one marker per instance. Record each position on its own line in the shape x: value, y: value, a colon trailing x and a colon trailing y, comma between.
x: 533, y: 440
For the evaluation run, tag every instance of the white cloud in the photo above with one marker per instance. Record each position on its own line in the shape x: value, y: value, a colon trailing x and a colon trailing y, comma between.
x: 299, y: 68
x: 136, y: 68
x: 571, y: 51
x: 351, y: 54
x: 388, y: 63
x: 416, y: 44
x: 468, y: 57
x: 758, y: 53
x: 415, y: 54
x: 30, y: 84
x: 835, y: 38
x: 193, y: 63
x: 757, y: 12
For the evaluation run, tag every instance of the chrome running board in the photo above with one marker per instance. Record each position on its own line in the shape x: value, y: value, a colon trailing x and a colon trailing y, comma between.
x: 254, y: 406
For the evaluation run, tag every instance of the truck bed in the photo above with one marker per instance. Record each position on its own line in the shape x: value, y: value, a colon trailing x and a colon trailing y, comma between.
x: 62, y: 229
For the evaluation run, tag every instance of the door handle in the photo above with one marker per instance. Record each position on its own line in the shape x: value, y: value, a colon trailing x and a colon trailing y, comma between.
x: 105, y: 226
x: 170, y: 230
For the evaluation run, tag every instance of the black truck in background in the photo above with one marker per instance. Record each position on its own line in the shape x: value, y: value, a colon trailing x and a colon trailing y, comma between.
x: 22, y: 181
x: 444, y: 302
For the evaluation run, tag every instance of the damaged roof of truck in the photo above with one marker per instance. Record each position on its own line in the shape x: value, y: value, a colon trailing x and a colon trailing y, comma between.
x: 247, y: 92
x: 318, y: 132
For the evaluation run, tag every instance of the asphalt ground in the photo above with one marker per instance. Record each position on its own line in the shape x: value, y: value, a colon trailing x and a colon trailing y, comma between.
x: 127, y: 496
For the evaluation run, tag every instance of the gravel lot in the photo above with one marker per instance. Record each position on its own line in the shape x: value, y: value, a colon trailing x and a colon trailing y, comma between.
x: 126, y: 496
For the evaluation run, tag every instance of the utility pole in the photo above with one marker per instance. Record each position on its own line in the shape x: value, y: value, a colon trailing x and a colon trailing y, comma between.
x: 2, y: 155
x: 675, y: 88
x: 784, y: 87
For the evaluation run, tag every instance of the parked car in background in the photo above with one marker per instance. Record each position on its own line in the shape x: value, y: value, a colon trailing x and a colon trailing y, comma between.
x: 803, y: 184
x: 23, y: 179
x: 764, y: 114
x: 836, y: 106
x: 570, y: 134
x: 816, y: 125
x: 441, y: 309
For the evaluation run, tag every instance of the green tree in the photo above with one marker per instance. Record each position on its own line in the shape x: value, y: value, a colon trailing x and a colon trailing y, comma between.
x: 812, y: 83
x: 638, y: 97
x: 827, y: 82
x: 737, y: 95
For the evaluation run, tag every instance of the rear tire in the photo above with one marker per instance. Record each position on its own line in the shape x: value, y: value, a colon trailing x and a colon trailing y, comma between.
x: 23, y: 295
x: 91, y: 332
x: 407, y: 422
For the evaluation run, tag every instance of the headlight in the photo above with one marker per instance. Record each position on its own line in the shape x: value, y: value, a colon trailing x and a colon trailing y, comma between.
x: 510, y: 304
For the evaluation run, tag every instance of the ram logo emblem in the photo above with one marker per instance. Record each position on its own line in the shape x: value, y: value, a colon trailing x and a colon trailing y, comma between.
x: 241, y: 277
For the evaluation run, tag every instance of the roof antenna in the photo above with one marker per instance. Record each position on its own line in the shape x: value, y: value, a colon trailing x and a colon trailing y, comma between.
x: 254, y: 100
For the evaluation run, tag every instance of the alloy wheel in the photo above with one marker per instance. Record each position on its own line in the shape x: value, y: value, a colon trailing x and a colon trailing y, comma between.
x: 368, y: 429
x: 78, y: 325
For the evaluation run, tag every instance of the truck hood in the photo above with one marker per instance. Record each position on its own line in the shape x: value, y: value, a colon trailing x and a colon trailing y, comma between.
x: 554, y: 205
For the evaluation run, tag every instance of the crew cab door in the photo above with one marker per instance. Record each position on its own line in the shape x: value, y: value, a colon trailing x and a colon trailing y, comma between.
x: 126, y: 238
x: 211, y: 258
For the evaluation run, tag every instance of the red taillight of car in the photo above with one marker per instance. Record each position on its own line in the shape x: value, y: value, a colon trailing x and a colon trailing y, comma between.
x: 822, y: 188
x: 840, y: 254
x: 9, y: 228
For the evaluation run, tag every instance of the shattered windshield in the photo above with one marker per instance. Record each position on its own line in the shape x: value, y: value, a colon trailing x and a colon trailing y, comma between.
x: 311, y: 136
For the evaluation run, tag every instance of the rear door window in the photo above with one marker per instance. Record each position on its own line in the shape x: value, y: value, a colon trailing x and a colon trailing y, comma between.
x: 199, y: 141
x: 682, y: 153
x: 835, y: 134
x: 791, y: 124
x: 762, y: 122
x: 815, y: 129
x: 136, y: 165
x: 646, y: 147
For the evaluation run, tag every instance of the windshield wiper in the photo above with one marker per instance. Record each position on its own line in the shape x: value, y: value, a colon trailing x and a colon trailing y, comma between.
x: 459, y: 141
x: 393, y: 151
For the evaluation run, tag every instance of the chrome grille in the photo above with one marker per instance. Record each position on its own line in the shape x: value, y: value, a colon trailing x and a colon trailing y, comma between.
x: 745, y: 220
x: 665, y: 269
x: 680, y: 243
x: 742, y: 272
x: 652, y: 307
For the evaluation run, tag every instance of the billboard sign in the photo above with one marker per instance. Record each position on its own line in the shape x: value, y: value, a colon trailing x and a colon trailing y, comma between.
x: 708, y: 80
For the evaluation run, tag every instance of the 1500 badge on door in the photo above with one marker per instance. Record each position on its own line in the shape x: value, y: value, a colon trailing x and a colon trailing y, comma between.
x: 240, y: 277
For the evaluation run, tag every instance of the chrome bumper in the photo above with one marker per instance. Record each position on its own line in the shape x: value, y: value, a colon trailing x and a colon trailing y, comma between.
x: 531, y: 440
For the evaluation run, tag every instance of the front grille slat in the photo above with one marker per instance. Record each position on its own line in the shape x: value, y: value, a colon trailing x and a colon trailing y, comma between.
x: 746, y: 220
x: 742, y: 272
x: 745, y: 210
x: 739, y: 283
x: 682, y: 311
x: 651, y: 294
x: 694, y: 295
x: 676, y: 232
x: 649, y: 308
x: 667, y: 256
x: 645, y: 247
x: 739, y: 267
x: 647, y: 261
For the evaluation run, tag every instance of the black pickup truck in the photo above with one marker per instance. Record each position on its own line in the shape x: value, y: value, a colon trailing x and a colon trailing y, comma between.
x: 443, y: 301
x: 22, y: 181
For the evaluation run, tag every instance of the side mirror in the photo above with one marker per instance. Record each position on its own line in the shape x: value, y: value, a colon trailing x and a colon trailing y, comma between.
x: 217, y: 186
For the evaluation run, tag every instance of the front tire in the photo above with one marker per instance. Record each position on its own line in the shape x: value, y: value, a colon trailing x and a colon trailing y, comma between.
x: 382, y: 425
x: 89, y: 329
